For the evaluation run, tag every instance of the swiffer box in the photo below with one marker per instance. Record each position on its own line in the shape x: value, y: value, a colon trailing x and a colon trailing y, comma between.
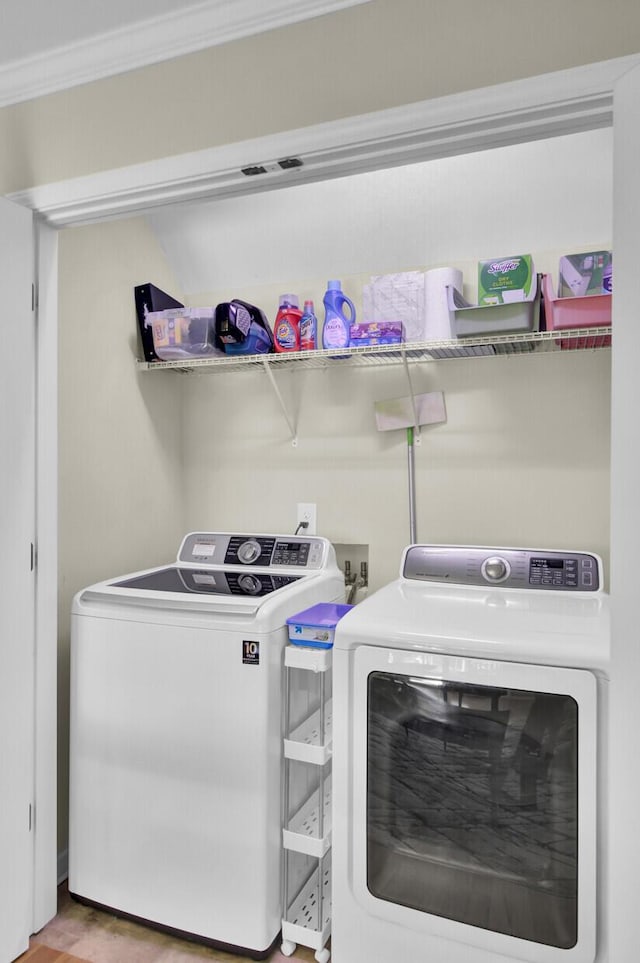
x: 504, y: 280
x: 584, y: 274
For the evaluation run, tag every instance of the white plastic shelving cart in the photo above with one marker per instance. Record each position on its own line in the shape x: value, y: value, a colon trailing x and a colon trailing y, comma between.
x: 306, y: 835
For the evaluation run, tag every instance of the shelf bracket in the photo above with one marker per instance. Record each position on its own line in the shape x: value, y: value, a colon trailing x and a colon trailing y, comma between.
x: 288, y: 419
x: 414, y: 410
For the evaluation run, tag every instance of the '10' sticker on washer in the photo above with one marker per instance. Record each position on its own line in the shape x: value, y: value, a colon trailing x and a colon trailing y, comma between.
x: 250, y: 652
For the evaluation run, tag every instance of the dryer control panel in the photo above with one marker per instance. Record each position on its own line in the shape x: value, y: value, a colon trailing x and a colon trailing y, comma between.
x: 504, y: 567
x: 261, y: 551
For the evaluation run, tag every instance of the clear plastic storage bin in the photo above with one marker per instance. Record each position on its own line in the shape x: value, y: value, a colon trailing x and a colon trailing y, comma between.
x: 183, y: 333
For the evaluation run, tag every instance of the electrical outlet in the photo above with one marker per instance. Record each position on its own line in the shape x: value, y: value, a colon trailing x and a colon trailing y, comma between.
x: 306, y: 513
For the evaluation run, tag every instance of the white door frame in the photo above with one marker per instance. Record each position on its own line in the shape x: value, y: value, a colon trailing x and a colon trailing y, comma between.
x: 45, y: 871
x: 553, y: 104
x: 563, y: 102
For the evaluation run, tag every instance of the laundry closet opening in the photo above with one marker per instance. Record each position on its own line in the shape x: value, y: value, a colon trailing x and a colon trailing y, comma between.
x: 146, y: 456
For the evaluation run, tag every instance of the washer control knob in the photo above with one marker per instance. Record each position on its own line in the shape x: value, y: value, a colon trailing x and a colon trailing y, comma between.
x: 495, y: 569
x: 249, y: 551
x: 249, y: 584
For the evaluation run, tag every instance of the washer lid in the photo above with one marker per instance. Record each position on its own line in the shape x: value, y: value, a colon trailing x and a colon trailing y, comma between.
x: 211, y: 592
x: 206, y: 581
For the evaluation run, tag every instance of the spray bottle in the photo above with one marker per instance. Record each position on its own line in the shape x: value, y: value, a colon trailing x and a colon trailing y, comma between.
x: 286, y: 330
x: 337, y: 324
x: 308, y: 328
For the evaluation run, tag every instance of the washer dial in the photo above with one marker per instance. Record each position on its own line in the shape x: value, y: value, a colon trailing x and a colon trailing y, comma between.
x: 249, y: 551
x: 495, y: 569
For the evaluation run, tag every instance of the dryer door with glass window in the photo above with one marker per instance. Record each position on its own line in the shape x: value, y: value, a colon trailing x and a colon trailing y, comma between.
x: 474, y: 800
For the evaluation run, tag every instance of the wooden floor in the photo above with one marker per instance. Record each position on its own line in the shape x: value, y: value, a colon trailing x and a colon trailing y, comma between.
x: 81, y: 934
x: 44, y: 954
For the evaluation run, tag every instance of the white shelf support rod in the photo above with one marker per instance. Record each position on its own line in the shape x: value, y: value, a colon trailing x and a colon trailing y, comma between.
x: 292, y: 427
x: 416, y: 426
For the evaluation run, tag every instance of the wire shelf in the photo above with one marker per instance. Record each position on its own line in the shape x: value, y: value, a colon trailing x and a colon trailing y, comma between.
x: 540, y: 342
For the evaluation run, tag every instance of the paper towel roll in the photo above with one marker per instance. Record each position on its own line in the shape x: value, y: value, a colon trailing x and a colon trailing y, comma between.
x: 436, y: 308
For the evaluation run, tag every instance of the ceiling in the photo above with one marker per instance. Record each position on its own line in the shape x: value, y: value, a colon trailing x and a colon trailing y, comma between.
x: 54, y: 45
x: 63, y: 22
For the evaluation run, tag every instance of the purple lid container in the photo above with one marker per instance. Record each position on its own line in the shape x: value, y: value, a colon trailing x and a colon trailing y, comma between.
x: 322, y: 617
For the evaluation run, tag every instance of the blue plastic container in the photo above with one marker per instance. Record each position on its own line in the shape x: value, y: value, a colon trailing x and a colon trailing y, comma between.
x: 337, y: 324
x: 315, y: 627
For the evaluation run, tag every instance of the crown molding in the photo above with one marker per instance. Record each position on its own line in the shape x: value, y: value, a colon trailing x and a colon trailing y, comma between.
x: 150, y: 41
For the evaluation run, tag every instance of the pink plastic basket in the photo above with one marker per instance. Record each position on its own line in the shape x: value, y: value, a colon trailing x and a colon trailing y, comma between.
x: 562, y: 314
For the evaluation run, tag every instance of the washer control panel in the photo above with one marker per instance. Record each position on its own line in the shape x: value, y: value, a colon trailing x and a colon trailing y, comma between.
x: 505, y: 567
x: 263, y: 551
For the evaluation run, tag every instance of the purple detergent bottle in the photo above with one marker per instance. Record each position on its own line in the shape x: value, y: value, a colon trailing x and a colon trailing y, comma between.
x: 337, y: 321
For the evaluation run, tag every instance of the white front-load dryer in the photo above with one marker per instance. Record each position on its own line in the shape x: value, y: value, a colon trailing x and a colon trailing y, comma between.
x: 469, y: 761
x: 176, y: 734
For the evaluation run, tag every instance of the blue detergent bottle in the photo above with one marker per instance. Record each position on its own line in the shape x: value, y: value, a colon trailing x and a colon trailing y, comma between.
x: 337, y: 323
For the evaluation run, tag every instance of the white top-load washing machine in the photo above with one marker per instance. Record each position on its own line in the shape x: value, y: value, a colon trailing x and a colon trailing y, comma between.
x: 176, y: 734
x: 469, y: 767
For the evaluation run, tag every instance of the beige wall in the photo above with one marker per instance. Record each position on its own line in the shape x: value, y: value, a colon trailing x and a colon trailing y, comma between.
x: 381, y: 54
x: 522, y: 460
x: 119, y: 433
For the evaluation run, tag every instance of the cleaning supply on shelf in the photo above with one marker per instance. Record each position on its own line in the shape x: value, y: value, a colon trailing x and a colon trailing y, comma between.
x: 337, y: 323
x: 242, y: 328
x: 582, y: 275
x: 286, y: 330
x: 505, y: 280
x: 376, y: 332
x: 308, y: 328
